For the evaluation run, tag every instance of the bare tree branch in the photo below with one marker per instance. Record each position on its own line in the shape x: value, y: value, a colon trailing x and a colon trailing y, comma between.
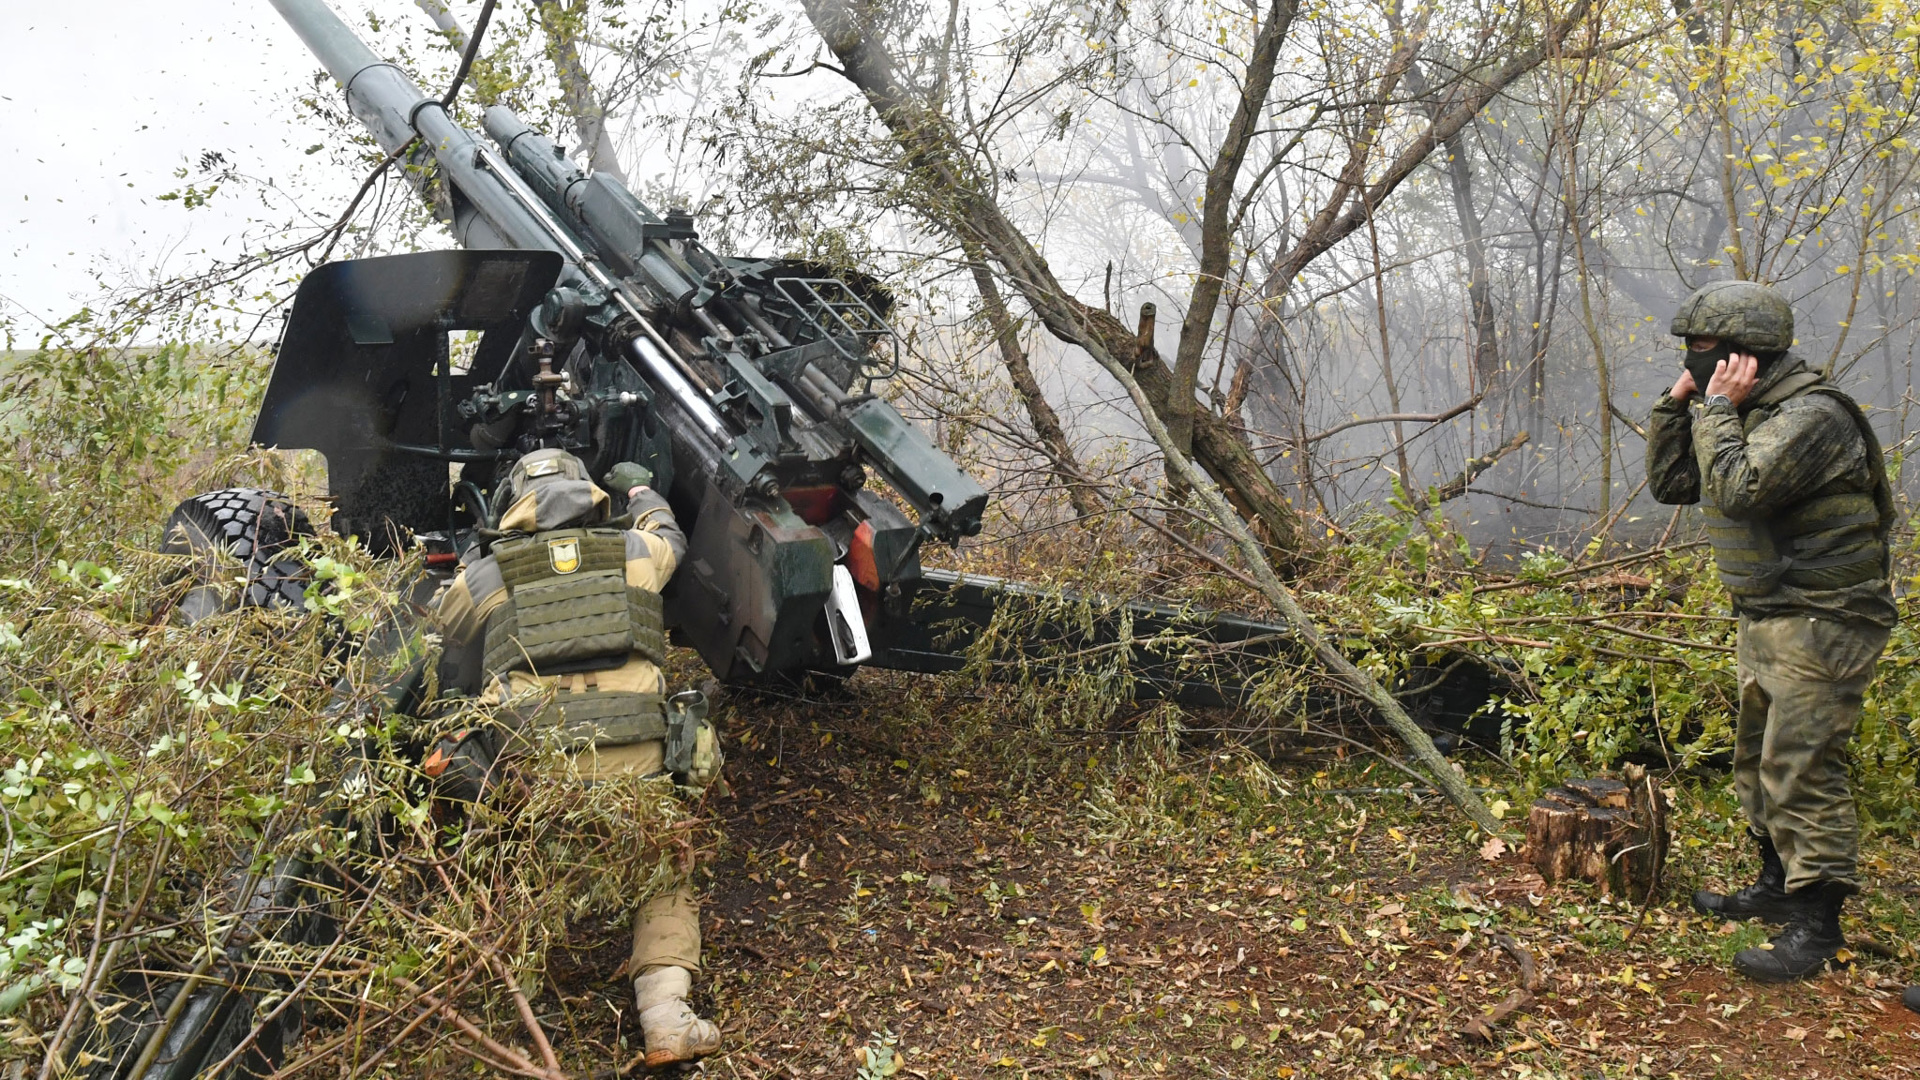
x: 564, y: 28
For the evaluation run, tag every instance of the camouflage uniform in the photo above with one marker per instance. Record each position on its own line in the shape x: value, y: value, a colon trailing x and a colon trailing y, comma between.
x: 567, y: 513
x: 1809, y: 637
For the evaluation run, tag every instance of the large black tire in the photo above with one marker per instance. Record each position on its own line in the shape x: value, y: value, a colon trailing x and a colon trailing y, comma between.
x: 214, y: 1021
x: 254, y: 528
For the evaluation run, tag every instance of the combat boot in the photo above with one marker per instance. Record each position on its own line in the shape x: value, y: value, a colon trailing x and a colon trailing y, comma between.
x: 1810, y: 941
x: 1912, y: 998
x: 672, y: 1031
x: 1764, y: 899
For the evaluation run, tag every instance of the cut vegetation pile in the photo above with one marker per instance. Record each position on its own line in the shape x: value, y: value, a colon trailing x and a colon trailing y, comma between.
x: 233, y: 799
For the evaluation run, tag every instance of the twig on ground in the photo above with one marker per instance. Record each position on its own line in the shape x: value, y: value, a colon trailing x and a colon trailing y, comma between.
x: 299, y: 990
x: 519, y: 1062
x: 95, y: 971
x: 1480, y: 1028
x: 525, y: 1008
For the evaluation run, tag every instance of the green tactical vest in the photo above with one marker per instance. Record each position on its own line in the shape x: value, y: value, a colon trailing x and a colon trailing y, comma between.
x: 1831, y: 540
x: 569, y: 609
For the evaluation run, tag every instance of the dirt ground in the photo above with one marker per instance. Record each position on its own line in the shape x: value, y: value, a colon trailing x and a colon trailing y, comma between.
x: 890, y: 903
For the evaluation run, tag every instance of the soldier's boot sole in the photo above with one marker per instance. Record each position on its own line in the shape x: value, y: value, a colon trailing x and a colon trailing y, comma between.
x: 675, y: 1036
x: 1911, y: 999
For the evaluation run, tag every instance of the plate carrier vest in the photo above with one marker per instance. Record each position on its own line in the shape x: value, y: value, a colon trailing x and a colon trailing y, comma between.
x: 1835, y: 538
x: 569, y: 610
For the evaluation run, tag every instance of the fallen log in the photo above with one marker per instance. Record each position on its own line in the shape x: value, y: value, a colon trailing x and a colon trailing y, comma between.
x: 1605, y: 831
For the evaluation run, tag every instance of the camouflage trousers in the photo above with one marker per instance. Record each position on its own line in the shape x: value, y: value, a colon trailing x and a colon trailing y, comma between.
x: 666, y: 929
x: 1801, y: 685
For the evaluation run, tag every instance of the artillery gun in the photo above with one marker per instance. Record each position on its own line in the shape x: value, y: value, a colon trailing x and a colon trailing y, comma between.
x: 588, y: 322
x: 746, y: 385
x: 591, y: 323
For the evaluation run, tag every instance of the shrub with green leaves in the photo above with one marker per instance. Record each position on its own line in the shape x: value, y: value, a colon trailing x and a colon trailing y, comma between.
x: 151, y: 769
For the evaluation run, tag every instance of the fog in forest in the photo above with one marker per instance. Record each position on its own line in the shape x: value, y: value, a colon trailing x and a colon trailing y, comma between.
x: 1476, y: 218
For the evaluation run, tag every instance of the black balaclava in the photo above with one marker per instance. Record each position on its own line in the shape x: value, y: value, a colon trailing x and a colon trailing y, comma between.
x: 1702, y: 362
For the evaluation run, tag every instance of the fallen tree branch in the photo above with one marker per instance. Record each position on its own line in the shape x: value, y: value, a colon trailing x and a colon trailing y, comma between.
x: 518, y: 1062
x: 1580, y: 571
x: 1254, y: 555
x: 525, y: 1008
x: 94, y: 971
x: 1480, y: 1028
x: 1663, y: 639
x: 974, y: 215
x: 1397, y: 418
x: 1471, y: 471
x: 1523, y: 501
x: 1464, y: 637
x: 299, y: 990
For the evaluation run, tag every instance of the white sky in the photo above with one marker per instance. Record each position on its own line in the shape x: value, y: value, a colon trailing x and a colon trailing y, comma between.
x: 99, y: 103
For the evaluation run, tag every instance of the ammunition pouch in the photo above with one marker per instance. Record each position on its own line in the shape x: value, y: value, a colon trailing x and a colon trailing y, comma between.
x: 606, y: 718
x: 570, y: 610
x: 692, y: 752
x: 1828, y: 542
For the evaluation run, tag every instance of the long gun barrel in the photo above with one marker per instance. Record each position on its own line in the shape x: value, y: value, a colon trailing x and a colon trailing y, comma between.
x: 493, y: 209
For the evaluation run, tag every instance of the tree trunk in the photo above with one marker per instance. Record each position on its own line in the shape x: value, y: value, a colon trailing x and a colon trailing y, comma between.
x: 962, y: 207
x: 965, y: 210
x: 1046, y: 422
x: 1217, y: 221
x: 1473, y: 243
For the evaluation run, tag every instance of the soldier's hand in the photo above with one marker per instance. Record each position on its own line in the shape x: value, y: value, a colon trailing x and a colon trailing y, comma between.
x: 1683, y: 387
x: 1735, y: 377
x: 629, y: 477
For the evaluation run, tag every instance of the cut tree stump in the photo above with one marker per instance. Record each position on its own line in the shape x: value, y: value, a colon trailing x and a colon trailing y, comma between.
x: 1612, y: 833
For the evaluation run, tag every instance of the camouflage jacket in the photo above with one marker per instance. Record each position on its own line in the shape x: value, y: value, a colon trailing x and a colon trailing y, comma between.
x: 1759, y: 463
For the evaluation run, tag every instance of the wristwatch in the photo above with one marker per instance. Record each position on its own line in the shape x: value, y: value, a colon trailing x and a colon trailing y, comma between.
x: 1716, y: 399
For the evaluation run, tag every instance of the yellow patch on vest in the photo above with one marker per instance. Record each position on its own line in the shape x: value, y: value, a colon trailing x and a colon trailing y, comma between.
x: 564, y: 555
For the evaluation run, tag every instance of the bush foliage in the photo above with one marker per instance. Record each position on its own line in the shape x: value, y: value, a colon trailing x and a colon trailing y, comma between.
x: 150, y: 769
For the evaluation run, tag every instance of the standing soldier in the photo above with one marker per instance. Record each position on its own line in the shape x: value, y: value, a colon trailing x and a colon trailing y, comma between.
x: 1799, y: 510
x: 567, y: 604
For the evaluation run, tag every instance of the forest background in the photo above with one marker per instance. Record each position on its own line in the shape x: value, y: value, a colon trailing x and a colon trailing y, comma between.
x: 1394, y: 278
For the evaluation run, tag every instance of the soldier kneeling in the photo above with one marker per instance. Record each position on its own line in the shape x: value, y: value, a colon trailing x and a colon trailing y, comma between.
x: 567, y: 604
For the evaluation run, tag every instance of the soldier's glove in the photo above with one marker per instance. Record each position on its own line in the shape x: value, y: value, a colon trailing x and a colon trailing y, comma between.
x: 626, y: 476
x: 693, y: 745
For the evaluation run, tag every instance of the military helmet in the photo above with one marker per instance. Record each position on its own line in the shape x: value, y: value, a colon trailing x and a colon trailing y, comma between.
x: 535, y: 469
x: 1742, y: 312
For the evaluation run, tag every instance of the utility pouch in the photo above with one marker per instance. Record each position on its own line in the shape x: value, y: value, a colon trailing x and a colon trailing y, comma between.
x: 692, y: 751
x: 460, y: 766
